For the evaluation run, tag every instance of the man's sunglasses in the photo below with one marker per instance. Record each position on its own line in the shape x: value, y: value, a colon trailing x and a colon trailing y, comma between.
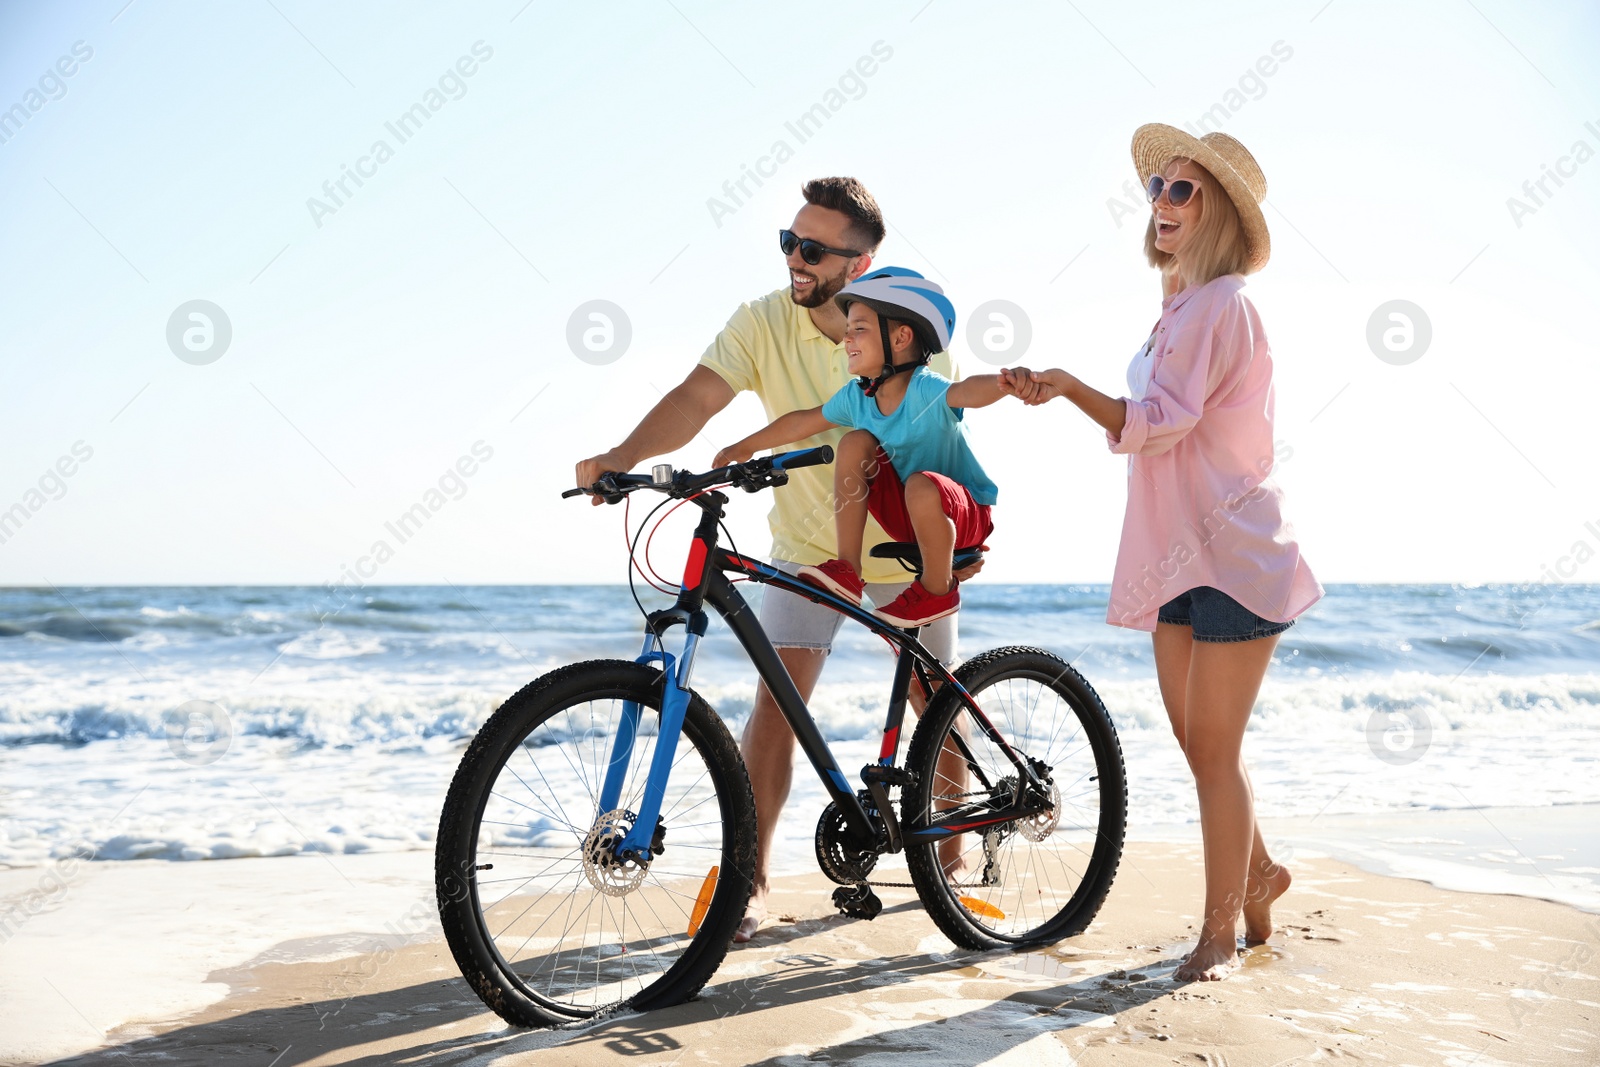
x: 810, y: 251
x: 1178, y: 191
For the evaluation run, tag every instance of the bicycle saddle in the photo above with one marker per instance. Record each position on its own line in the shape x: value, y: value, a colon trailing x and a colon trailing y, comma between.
x: 909, y: 556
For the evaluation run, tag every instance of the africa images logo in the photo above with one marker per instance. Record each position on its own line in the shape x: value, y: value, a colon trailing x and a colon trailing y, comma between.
x: 804, y: 127
x: 402, y: 128
x: 52, y: 85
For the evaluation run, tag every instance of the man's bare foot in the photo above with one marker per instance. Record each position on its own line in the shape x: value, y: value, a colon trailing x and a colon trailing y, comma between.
x: 1211, y: 961
x: 755, y: 913
x: 1261, y: 889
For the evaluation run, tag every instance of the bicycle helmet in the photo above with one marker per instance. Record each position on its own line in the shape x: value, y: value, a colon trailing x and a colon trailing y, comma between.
x: 905, y: 296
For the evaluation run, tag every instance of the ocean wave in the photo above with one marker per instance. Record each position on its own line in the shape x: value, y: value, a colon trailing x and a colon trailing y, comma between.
x: 70, y: 626
x: 383, y: 604
x: 1441, y: 627
x: 332, y: 644
x: 309, y: 718
x: 353, y: 708
x: 379, y: 615
x: 135, y: 798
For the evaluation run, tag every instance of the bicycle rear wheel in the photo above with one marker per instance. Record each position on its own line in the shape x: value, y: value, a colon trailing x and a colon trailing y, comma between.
x: 1034, y: 880
x: 546, y: 926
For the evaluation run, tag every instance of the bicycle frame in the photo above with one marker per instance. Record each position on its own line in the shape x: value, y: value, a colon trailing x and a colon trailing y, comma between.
x: 706, y: 581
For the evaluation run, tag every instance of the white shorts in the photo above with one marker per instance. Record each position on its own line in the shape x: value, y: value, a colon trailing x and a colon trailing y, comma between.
x: 794, y: 622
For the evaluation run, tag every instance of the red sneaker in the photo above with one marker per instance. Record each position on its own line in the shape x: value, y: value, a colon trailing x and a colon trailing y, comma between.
x: 918, y: 607
x: 838, y: 578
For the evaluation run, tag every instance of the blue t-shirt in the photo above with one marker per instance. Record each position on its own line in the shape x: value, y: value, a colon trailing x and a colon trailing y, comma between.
x: 924, y: 434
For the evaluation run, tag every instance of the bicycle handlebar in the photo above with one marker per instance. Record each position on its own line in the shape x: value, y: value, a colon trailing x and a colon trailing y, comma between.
x: 751, y: 476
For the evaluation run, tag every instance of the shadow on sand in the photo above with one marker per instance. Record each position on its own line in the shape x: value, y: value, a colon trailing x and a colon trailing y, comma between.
x: 441, y: 1020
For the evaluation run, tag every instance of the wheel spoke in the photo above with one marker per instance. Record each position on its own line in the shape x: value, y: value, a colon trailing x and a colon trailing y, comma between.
x: 1033, y: 880
x: 560, y: 927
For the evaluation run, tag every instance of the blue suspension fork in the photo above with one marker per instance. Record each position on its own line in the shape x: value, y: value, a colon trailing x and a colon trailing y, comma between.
x: 674, y: 706
x: 636, y: 845
x: 627, y: 732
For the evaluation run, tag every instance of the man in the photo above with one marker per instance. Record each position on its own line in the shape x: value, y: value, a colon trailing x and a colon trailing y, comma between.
x: 786, y: 348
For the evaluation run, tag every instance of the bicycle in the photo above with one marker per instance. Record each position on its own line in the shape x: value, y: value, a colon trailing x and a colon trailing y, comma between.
x: 588, y: 861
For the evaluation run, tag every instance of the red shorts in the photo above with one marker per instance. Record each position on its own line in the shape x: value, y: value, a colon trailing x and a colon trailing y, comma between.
x: 886, y: 501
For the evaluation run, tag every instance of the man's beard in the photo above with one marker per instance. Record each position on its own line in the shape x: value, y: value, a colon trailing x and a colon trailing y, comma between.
x: 822, y: 291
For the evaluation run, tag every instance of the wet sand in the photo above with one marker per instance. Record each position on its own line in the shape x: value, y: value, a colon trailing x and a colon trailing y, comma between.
x: 1362, y: 967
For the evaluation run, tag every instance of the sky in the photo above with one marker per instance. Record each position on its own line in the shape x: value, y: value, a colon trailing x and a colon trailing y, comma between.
x: 405, y: 339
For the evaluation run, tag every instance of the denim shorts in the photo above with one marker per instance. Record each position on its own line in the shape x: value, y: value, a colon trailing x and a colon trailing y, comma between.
x: 1217, y: 617
x: 794, y: 622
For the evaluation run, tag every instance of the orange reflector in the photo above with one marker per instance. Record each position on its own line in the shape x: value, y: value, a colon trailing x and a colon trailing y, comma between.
x: 702, y: 903
x: 981, y: 907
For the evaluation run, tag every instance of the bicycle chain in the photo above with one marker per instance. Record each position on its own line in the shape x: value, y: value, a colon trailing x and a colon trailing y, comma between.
x: 953, y: 885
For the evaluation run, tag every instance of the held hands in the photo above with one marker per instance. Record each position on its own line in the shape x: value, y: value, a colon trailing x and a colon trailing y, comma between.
x: 1035, y: 387
x: 1026, y: 385
x: 1018, y: 382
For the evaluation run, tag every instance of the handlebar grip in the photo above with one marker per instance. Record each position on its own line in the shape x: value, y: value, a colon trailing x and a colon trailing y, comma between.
x: 805, y: 457
x: 611, y: 487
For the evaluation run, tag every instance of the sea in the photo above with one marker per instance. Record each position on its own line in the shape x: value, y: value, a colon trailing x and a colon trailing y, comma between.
x: 1443, y: 723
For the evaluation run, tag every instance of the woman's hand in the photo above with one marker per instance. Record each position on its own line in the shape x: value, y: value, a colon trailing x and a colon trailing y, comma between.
x: 1051, y: 383
x: 1110, y: 412
x: 1034, y: 387
x: 738, y: 452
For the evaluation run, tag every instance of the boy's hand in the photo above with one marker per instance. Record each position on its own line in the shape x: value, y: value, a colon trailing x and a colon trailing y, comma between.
x: 1021, y: 383
x: 1025, y: 385
x: 734, y: 453
x: 969, y: 571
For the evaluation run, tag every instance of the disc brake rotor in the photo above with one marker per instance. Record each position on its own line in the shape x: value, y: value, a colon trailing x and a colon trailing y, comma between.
x: 1039, y: 826
x: 607, y: 872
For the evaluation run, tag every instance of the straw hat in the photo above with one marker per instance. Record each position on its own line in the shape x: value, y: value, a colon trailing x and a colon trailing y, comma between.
x: 1227, y: 160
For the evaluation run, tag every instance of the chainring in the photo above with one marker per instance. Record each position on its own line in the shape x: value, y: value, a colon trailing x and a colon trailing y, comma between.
x: 841, y: 861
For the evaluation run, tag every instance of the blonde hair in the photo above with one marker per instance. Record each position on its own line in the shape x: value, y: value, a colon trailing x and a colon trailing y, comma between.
x: 1218, y: 246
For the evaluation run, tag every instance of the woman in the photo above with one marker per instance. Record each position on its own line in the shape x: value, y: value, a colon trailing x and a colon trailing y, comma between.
x: 1207, y: 561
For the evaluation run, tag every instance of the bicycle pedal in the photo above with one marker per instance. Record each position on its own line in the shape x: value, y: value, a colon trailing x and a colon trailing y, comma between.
x: 875, y: 772
x: 858, y: 902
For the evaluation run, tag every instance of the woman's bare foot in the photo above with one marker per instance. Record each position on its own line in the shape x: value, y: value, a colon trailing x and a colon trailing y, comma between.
x: 1261, y: 889
x: 755, y: 913
x: 1211, y: 961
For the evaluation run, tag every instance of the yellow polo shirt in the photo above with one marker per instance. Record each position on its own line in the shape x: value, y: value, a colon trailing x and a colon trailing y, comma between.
x: 772, y: 348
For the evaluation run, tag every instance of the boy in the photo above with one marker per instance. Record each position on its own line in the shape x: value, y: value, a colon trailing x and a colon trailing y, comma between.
x: 906, y: 460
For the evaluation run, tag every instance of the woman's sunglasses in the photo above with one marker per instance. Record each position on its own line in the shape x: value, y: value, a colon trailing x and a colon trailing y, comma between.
x: 1178, y: 191
x: 810, y: 251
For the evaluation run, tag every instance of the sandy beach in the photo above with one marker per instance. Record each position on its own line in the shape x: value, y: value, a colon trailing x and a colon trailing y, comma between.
x: 330, y: 329
x: 1363, y: 967
x: 267, y: 898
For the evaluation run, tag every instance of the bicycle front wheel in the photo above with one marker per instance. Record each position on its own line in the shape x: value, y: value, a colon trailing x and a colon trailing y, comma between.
x: 546, y: 924
x: 1032, y: 880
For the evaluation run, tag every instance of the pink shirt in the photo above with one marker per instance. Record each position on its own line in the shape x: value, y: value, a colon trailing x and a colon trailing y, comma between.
x: 1202, y: 508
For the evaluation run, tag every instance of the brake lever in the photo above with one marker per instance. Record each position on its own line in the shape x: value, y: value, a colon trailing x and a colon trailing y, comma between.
x: 754, y: 483
x: 605, y: 489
